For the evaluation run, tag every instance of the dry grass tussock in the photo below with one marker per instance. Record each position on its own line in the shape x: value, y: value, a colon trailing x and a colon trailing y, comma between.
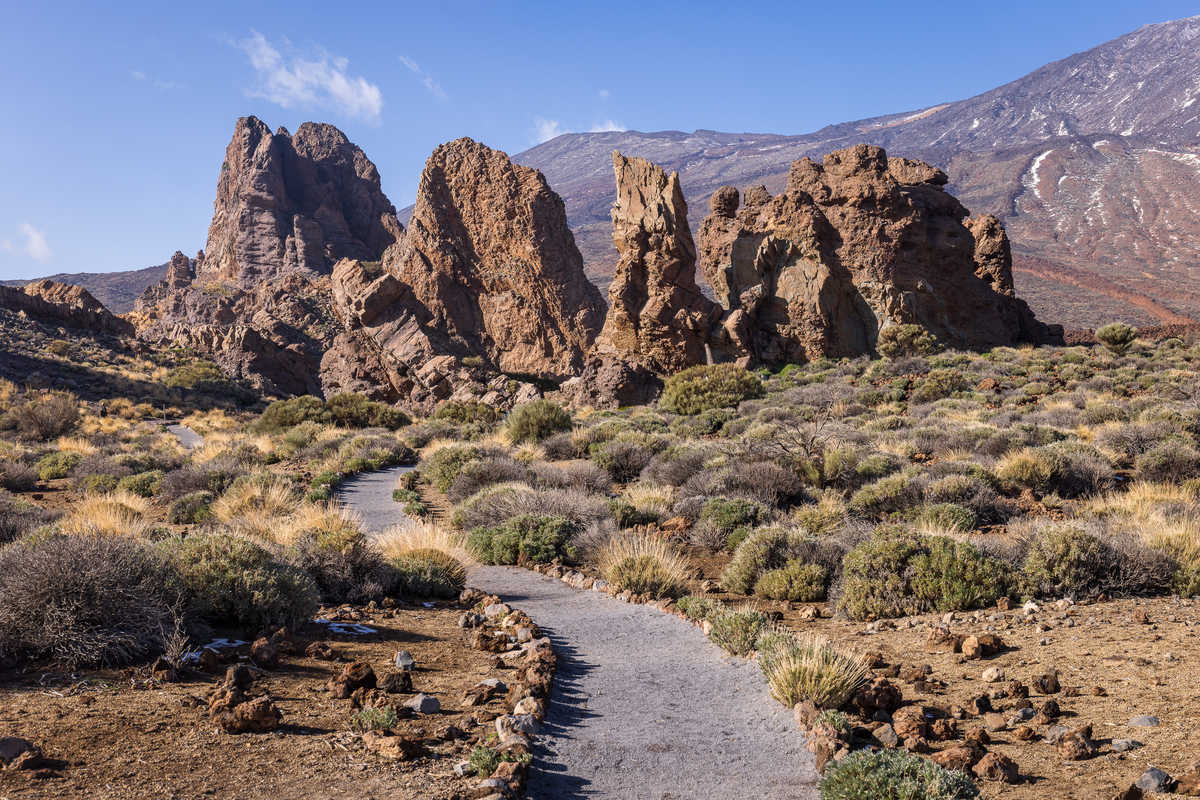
x: 1165, y: 516
x: 119, y: 513
x: 319, y: 519
x: 400, y: 540
x: 257, y: 507
x: 216, y: 420
x: 643, y: 564
x: 650, y: 497
x: 799, y: 668
x: 76, y: 444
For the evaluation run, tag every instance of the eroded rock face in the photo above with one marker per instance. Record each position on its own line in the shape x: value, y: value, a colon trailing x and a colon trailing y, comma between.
x: 295, y: 203
x: 854, y: 244
x: 490, y: 258
x: 257, y: 299
x: 657, y: 316
x: 64, y: 304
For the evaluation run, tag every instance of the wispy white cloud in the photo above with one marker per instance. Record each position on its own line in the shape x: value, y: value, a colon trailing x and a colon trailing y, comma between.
x: 36, y: 246
x: 606, y: 126
x: 318, y: 82
x: 546, y: 129
x: 433, y: 87
x: 157, y: 83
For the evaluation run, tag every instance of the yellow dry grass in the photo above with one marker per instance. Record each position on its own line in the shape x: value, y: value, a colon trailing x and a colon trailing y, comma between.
x: 1164, y: 515
x: 642, y: 563
x: 257, y: 507
x: 317, y: 518
x: 119, y: 513
x: 400, y: 540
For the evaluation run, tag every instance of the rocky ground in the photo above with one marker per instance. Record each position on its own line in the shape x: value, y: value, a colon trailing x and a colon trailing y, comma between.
x: 1124, y: 667
x: 130, y: 734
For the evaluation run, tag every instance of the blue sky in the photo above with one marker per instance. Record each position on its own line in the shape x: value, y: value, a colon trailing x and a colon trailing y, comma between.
x: 116, y: 116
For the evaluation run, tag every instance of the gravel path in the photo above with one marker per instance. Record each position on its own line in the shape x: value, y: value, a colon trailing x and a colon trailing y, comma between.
x: 186, y: 436
x: 370, y: 494
x: 646, y: 708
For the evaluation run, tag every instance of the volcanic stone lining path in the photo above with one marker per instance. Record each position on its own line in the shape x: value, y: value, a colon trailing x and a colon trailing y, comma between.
x: 644, y: 706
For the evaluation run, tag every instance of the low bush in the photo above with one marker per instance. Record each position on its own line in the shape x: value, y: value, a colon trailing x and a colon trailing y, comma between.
x: 937, y: 384
x: 430, y: 573
x: 622, y: 458
x: 892, y: 494
x: 769, y: 549
x: 82, y: 601
x: 1070, y: 469
x: 643, y: 565
x: 143, y: 484
x: 903, y: 341
x: 443, y: 466
x: 1069, y: 560
x: 893, y: 775
x: 230, y: 581
x: 796, y: 581
x: 525, y: 539
x: 284, y: 414
x: 1116, y: 337
x: 18, y: 517
x: 16, y: 476
x: 698, y: 389
x: 478, y: 474
x: 466, y: 413
x: 352, y: 410
x: 1170, y: 460
x: 896, y: 573
x: 535, y: 421
x: 191, y: 509
x: 696, y: 608
x: 56, y: 465
x: 46, y: 415
x: 736, y: 630
x: 370, y: 718
x: 342, y: 563
x: 810, y: 668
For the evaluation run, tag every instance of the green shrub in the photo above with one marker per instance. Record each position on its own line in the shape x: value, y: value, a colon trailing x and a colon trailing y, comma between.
x: 524, y: 539
x: 888, y: 495
x: 893, y: 775
x: 444, y: 465
x: 947, y: 516
x: 797, y: 582
x: 767, y: 549
x: 726, y: 514
x: 430, y: 573
x: 898, y: 341
x: 622, y: 458
x: 230, y: 581
x: 202, y: 376
x: 285, y: 414
x: 343, y: 564
x: 1070, y: 469
x: 939, y: 383
x: 1067, y: 560
x: 1172, y: 460
x: 466, y: 413
x: 56, y: 465
x: 896, y: 573
x: 535, y: 421
x: 705, y: 387
x: 351, y: 410
x: 370, y: 718
x: 1116, y: 337
x: 143, y: 484
x: 191, y: 509
x: 737, y: 630
x: 698, y: 608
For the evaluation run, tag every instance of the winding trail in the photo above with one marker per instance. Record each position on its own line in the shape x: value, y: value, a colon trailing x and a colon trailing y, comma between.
x: 644, y: 706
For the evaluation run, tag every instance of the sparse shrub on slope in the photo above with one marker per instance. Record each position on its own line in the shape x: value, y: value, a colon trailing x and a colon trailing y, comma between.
x: 350, y: 410
x: 892, y: 494
x: 536, y: 421
x: 82, y: 600
x: 143, y: 484
x: 443, y: 466
x: 901, y: 341
x: 797, y: 582
x: 896, y: 573
x: 698, y: 389
x: 46, y: 415
x: 16, y: 476
x: 736, y: 630
x: 893, y: 775
x: 284, y: 414
x: 56, y: 465
x: 1071, y: 469
x: 230, y: 581
x: 18, y: 517
x: 1116, y: 337
x: 1083, y: 560
x: 343, y: 563
x: 1170, y: 460
x: 191, y: 509
x: 430, y: 560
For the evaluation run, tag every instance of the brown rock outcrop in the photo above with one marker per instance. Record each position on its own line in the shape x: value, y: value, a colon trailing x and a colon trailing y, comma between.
x: 657, y: 316
x: 855, y: 244
x: 63, y: 304
x: 491, y: 259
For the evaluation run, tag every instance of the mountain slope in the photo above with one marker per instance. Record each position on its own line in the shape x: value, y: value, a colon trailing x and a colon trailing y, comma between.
x: 1093, y: 163
x: 116, y: 290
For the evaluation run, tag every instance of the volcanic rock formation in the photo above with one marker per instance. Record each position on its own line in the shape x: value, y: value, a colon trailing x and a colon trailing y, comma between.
x: 60, y: 303
x: 486, y: 284
x: 855, y: 244
x: 657, y: 316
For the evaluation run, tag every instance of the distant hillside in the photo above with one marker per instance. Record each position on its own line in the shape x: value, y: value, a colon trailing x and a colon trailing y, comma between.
x: 116, y: 290
x: 1093, y: 163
